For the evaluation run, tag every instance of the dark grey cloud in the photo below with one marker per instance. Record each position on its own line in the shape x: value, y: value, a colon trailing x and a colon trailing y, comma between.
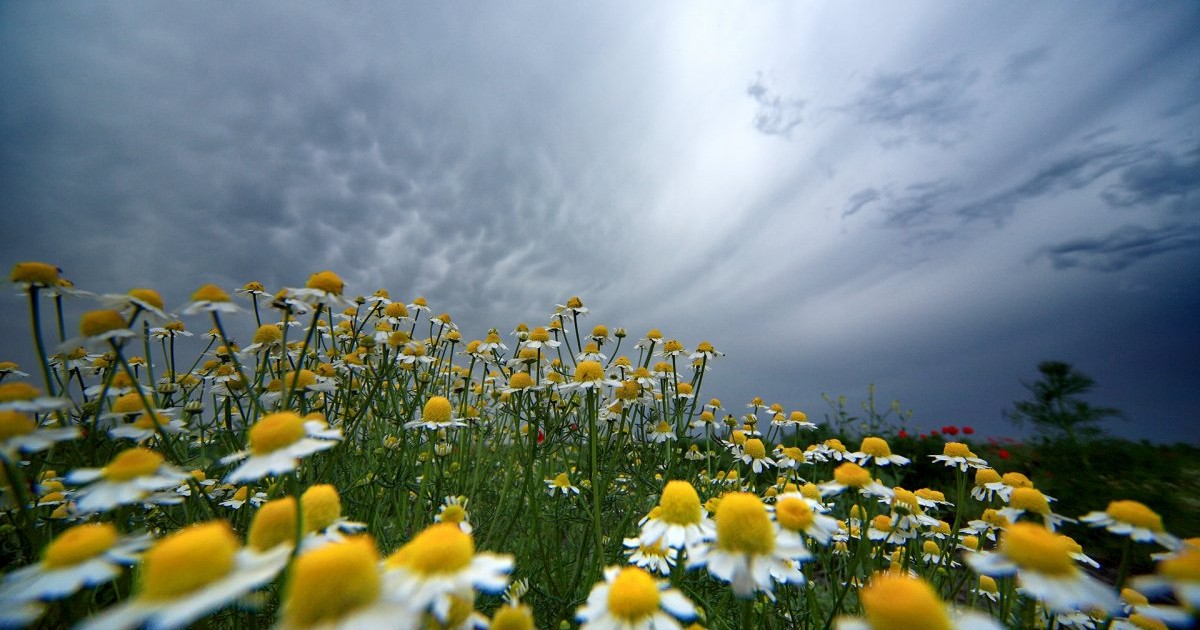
x: 930, y: 103
x: 1121, y: 248
x: 776, y: 116
x: 1161, y: 178
x: 1019, y: 66
x: 859, y: 199
x: 1072, y: 171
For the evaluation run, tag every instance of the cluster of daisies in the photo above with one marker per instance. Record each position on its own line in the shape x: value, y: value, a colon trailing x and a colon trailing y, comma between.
x: 190, y: 490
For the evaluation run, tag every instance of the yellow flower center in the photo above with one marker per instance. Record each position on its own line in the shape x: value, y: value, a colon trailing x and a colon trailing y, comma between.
x: 970, y: 542
x: 876, y: 447
x: 79, y: 543
x: 1146, y: 623
x: 811, y: 491
x: 1133, y: 597
x: 322, y: 506
x: 520, y: 380
x: 539, y: 334
x: 985, y: 476
x: 680, y: 504
x: 672, y: 345
x: 454, y: 513
x: 1136, y: 514
x: 274, y: 524
x: 575, y: 302
x: 930, y: 547
x: 326, y: 281
x: 755, y: 449
x: 14, y: 423
x: 149, y: 296
x: 588, y: 371
x: 146, y: 420
x: 994, y: 518
x: 132, y: 463
x: 988, y: 584
x: 930, y: 495
x: 794, y: 514
x: 899, y: 602
x: 835, y: 444
x: 743, y: 525
x: 905, y: 501
x: 210, y: 293
x: 395, y: 309
x: 1035, y: 547
x: 633, y: 595
x: 561, y: 480
x: 94, y: 323
x: 328, y: 583
x: 852, y: 475
x: 513, y: 618
x: 956, y: 449
x: 437, y: 410
x: 268, y: 334
x: 1185, y: 567
x: 254, y: 286
x: 187, y: 560
x: 442, y: 548
x: 1016, y: 480
x: 882, y: 523
x: 128, y: 403
x: 34, y: 273
x: 276, y: 431
x: 1030, y: 500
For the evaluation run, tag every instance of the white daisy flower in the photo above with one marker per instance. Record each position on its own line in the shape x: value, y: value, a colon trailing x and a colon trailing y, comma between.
x: 1031, y: 501
x: 454, y: 510
x: 277, y: 443
x: 1135, y: 520
x: 796, y: 513
x: 323, y: 287
x: 440, y: 563
x: 629, y: 598
x: 958, y: 455
x: 896, y: 600
x: 755, y: 454
x: 83, y: 556
x: 1045, y: 570
x: 133, y: 476
x: 1178, y: 574
x: 189, y: 574
x: 561, y: 483
x: 143, y: 428
x: 20, y: 434
x: 679, y: 520
x: 210, y: 298
x: 539, y: 338
x: 340, y: 586
x: 662, y: 433
x: 876, y: 450
x: 23, y: 397
x: 850, y: 475
x: 437, y: 414
x: 654, y: 558
x: 748, y: 550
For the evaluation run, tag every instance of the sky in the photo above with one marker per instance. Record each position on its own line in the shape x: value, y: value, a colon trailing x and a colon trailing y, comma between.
x: 929, y: 197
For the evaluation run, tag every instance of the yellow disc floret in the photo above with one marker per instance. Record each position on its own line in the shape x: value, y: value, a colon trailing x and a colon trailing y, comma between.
x: 852, y: 475
x: 1185, y: 567
x: 633, y: 595
x: 1037, y: 548
x: 900, y: 602
x: 35, y: 273
x: 321, y: 507
x: 1136, y: 514
x: 441, y: 548
x: 875, y: 447
x: 326, y: 281
x: 132, y: 463
x: 680, y: 504
x: 274, y: 524
x: 794, y: 514
x: 80, y: 543
x: 588, y: 371
x: 15, y: 423
x: 187, y: 560
x: 210, y: 293
x: 437, y: 410
x: 328, y: 583
x: 743, y: 525
x: 1030, y: 500
x: 93, y: 323
x: 276, y: 431
x: 956, y: 449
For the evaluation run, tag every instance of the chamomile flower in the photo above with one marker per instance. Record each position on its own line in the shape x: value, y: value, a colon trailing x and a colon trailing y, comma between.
x: 277, y: 444
x: 748, y: 550
x: 323, y: 287
x: 705, y: 351
x: 679, y: 520
x: 1045, y: 570
x: 799, y: 514
x: 588, y: 375
x: 1008, y: 482
x: 188, y: 574
x: 440, y: 563
x: 210, y: 298
x: 143, y: 427
x: 1031, y: 501
x: 755, y: 454
x: 133, y: 476
x: 454, y: 510
x: 21, y: 396
x: 1178, y: 574
x: 539, y: 338
x: 1132, y: 519
x: 653, y: 557
x: 83, y: 556
x: 985, y: 488
x: 340, y: 586
x: 662, y: 433
x: 629, y: 598
x: 958, y: 455
x: 242, y: 496
x: 561, y: 483
x: 144, y: 300
x: 20, y: 434
x: 876, y: 450
x: 438, y: 413
x: 29, y: 274
x: 896, y: 600
x: 849, y: 475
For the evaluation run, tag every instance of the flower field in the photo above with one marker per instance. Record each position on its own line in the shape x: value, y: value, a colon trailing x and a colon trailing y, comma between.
x: 358, y: 462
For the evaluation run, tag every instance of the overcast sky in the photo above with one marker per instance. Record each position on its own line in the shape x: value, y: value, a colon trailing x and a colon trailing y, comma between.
x: 928, y: 196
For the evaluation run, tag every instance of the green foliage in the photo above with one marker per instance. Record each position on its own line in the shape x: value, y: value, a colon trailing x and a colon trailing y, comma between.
x: 1056, y: 406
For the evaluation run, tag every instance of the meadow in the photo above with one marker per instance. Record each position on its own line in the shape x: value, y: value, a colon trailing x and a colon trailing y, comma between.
x: 338, y: 461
